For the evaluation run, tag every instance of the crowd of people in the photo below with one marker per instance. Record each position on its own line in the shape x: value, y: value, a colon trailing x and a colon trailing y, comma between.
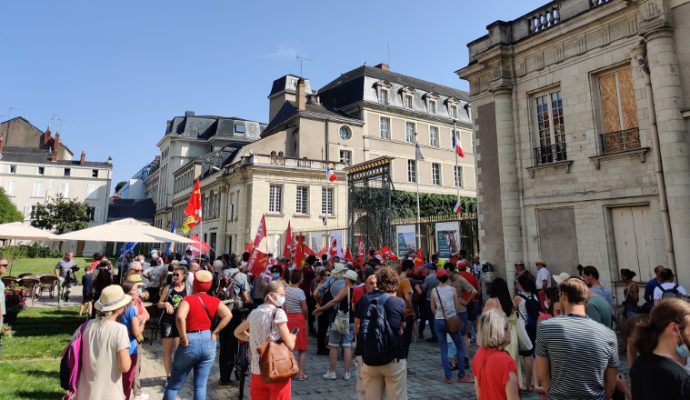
x: 555, y: 335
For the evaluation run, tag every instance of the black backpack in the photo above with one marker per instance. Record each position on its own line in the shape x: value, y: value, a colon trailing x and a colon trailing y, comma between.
x: 378, y: 340
x: 672, y: 293
x: 225, y: 289
x: 532, y: 306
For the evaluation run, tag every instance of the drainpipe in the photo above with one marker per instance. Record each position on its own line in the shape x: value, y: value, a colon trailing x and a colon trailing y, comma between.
x: 638, y: 54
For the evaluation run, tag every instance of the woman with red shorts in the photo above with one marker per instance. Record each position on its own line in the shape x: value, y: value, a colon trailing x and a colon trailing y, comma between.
x: 297, y: 314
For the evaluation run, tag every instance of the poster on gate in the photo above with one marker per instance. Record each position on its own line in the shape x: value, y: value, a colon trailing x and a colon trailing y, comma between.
x: 447, y: 238
x: 405, y: 235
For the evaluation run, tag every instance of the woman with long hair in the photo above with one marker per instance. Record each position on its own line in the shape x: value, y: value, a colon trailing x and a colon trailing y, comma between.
x: 444, y: 303
x: 494, y: 369
x: 659, y: 372
x: 631, y: 293
x: 170, y: 301
x: 296, y: 309
x: 499, y: 298
x: 268, y: 321
x: 527, y: 295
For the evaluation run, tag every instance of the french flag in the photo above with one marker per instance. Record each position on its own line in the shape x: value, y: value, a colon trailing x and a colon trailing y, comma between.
x: 330, y: 174
x: 457, y: 208
x: 457, y: 146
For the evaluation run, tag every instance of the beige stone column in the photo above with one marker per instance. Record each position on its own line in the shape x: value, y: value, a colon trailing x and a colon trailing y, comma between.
x: 664, y: 71
x: 222, y: 239
x: 508, y: 173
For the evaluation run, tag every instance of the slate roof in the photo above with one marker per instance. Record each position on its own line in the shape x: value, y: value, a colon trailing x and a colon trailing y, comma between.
x: 32, y: 155
x: 394, y: 77
x: 279, y: 84
x: 289, y: 110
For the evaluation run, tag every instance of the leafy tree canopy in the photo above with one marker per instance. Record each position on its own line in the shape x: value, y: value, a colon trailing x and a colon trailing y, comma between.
x: 119, y: 186
x: 8, y: 211
x: 62, y: 215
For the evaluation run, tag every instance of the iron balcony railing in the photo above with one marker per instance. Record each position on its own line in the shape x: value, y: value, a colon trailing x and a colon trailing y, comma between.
x: 613, y: 142
x: 549, y: 154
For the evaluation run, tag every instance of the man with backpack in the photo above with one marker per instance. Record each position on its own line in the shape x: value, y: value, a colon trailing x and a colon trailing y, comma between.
x: 668, y: 289
x: 232, y: 284
x: 379, y: 326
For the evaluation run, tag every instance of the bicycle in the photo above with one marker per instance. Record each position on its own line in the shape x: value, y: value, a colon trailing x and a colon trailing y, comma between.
x: 241, y: 365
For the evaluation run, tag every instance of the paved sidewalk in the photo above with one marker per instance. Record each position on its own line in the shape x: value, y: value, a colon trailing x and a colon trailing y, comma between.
x: 426, y: 382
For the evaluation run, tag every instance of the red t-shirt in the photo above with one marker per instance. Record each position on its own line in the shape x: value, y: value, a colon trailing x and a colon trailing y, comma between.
x: 197, y: 318
x: 492, y: 368
x: 469, y: 277
x: 358, y: 293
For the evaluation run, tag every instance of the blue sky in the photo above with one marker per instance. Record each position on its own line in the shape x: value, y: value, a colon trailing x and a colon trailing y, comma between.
x: 108, y: 74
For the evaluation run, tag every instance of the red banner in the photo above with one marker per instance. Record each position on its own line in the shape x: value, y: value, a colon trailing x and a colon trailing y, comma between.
x: 419, y: 259
x: 386, y: 251
x: 348, y: 256
x: 193, y: 210
x: 257, y: 263
x: 334, y: 248
x: 360, y: 251
x: 299, y: 253
x: 198, y: 248
x: 289, y: 243
x: 260, y: 231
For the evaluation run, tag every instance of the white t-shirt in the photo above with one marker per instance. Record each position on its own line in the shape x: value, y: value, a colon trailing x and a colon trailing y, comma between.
x: 543, y: 275
x: 260, y: 325
x: 667, y: 285
x: 100, y: 376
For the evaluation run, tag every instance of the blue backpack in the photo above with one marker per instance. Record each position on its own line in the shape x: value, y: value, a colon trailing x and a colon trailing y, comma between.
x: 378, y: 340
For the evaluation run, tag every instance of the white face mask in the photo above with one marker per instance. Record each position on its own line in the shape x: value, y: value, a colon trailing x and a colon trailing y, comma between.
x: 278, y: 300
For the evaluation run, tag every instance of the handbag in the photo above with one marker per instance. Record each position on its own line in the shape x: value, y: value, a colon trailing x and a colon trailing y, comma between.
x: 341, y: 324
x: 276, y: 361
x: 214, y: 320
x: 453, y: 323
x: 524, y: 342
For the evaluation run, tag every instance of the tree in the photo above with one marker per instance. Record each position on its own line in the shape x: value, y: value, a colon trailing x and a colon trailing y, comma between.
x: 61, y: 215
x: 8, y: 211
x: 119, y: 186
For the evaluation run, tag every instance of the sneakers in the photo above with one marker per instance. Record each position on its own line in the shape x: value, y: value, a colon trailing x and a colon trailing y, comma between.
x: 346, y: 376
x: 466, y: 379
x: 330, y: 375
x: 142, y: 396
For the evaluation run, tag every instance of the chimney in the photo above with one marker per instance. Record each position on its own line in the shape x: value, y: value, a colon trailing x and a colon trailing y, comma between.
x: 47, y: 136
x: 82, y: 159
x: 301, y: 94
x: 2, y: 145
x: 383, y: 66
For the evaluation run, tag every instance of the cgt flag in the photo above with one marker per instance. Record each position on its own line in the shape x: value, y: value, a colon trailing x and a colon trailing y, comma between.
x: 199, y: 247
x: 299, y: 253
x: 193, y: 210
x: 386, y: 251
x: 419, y: 259
x: 258, y: 262
x: 260, y: 231
x: 289, y: 243
x: 360, y: 251
x: 333, y: 251
x: 348, y: 256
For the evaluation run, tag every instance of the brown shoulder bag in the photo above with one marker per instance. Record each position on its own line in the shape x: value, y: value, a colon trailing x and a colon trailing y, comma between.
x: 276, y: 360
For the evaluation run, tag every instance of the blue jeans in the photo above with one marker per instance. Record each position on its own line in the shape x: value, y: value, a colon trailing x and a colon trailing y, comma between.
x: 199, y: 355
x: 440, y: 325
x: 463, y: 320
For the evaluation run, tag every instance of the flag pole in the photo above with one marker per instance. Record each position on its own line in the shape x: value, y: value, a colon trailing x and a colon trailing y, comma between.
x: 416, y: 178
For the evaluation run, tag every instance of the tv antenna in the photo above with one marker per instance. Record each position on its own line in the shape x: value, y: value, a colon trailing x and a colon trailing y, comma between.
x: 301, y: 62
x: 57, y: 118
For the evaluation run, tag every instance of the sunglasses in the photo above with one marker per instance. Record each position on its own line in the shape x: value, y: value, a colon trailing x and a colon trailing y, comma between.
x: 176, y: 274
x: 137, y: 270
x: 4, y: 265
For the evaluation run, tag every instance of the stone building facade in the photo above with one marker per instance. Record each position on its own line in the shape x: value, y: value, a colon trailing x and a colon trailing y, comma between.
x: 581, y: 133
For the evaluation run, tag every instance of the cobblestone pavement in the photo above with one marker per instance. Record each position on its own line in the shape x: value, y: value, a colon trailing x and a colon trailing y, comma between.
x: 426, y: 382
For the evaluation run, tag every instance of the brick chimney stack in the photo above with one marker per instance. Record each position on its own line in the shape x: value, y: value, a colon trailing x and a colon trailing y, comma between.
x: 383, y: 66
x: 301, y: 94
x: 82, y: 159
x: 47, y: 136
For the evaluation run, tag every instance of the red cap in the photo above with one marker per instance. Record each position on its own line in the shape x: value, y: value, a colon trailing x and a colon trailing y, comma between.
x: 441, y: 272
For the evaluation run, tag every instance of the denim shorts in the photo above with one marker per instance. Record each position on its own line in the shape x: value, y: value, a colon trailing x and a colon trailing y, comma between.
x: 336, y: 339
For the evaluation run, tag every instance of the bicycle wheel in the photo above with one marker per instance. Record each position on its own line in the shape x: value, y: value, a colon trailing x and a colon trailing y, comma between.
x: 243, y: 367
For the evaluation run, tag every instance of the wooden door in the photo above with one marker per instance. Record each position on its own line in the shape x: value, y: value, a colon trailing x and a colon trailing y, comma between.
x: 634, y: 236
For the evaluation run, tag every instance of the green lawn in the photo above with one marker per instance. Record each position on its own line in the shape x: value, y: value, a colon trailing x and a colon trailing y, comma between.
x: 30, y: 363
x: 38, y: 266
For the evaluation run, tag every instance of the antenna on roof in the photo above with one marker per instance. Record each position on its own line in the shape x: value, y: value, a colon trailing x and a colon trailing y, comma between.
x: 301, y: 62
x: 389, y: 53
x: 59, y: 120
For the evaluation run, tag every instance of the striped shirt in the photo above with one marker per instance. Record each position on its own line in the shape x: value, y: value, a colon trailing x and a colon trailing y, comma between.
x: 579, y: 352
x: 293, y: 298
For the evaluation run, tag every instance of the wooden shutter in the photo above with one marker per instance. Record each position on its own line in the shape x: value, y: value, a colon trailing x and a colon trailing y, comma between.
x: 627, y: 96
x: 619, y: 110
x: 609, y: 102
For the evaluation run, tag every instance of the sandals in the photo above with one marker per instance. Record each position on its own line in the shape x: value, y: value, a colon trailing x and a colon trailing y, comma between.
x: 303, y: 377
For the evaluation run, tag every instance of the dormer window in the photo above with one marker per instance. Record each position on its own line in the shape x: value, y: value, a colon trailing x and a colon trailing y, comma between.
x: 383, y: 92
x: 407, y: 97
x: 383, y: 96
x: 432, y: 106
x: 453, y: 111
x: 431, y: 102
x: 408, y: 101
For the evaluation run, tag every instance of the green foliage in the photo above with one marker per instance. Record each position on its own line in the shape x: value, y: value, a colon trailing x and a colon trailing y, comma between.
x: 8, y: 211
x: 62, y: 215
x: 404, y: 204
x: 29, y: 251
x: 119, y: 186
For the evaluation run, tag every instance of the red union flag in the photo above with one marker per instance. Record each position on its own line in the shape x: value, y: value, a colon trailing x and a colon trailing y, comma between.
x: 360, y: 251
x: 299, y: 253
x: 260, y: 231
x: 386, y: 251
x: 348, y: 256
x: 289, y: 243
x: 257, y: 263
x: 419, y: 259
x: 199, y: 247
x: 193, y: 210
x: 334, y: 248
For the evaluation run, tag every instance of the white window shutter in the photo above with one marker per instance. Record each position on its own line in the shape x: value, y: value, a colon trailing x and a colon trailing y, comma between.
x: 97, y: 214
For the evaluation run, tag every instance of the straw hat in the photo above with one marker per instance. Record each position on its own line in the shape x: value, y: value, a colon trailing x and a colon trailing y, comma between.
x: 112, y: 298
x: 135, y: 278
x: 351, y: 275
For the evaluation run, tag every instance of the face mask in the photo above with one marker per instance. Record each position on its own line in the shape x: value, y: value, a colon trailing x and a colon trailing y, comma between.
x: 141, y: 290
x: 682, y: 348
x: 278, y: 300
x: 276, y: 275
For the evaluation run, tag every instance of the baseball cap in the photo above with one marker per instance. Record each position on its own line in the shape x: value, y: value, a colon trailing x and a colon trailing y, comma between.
x: 441, y: 273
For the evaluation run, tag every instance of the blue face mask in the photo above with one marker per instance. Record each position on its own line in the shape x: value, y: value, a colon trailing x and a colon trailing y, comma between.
x: 141, y: 290
x: 682, y: 348
x: 276, y: 276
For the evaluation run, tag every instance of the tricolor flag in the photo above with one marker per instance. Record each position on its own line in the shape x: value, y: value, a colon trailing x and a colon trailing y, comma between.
x: 330, y: 174
x: 260, y: 231
x: 193, y: 210
x: 457, y: 208
x: 457, y: 146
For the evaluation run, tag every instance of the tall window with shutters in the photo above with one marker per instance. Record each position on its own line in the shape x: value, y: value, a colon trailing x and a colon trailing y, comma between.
x: 619, y: 128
